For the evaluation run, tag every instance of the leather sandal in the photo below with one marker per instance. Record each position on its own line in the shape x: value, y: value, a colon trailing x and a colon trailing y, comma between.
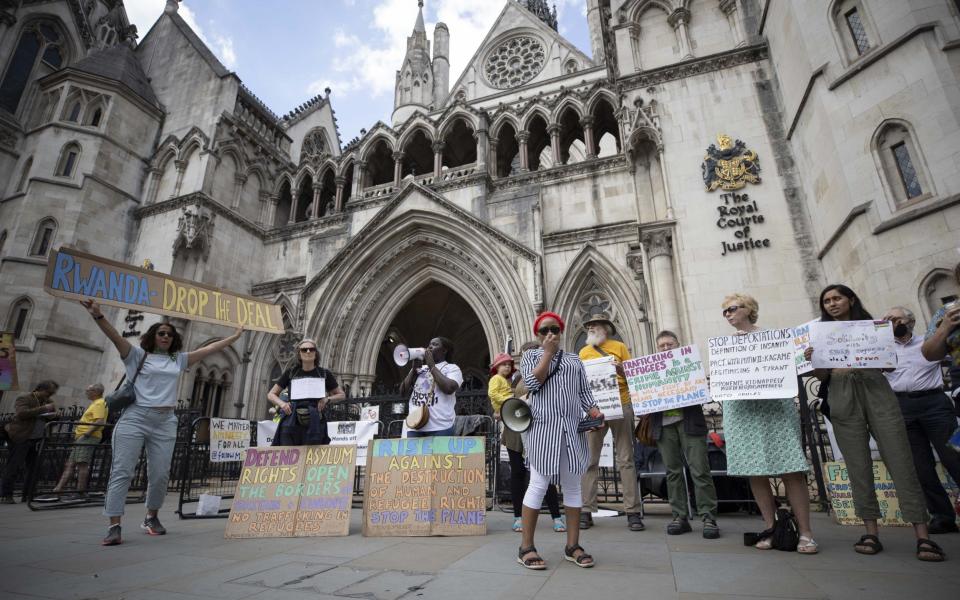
x: 535, y: 562
x: 570, y: 553
x: 929, y: 551
x: 869, y: 544
x: 807, y: 545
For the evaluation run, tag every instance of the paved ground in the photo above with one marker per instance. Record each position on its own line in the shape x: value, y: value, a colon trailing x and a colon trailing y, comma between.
x: 56, y: 554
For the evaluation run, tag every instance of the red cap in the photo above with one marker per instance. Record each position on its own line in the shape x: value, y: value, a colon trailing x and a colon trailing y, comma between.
x: 547, y: 315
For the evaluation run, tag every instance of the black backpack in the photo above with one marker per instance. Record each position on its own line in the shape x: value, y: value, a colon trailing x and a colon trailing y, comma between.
x: 786, y: 533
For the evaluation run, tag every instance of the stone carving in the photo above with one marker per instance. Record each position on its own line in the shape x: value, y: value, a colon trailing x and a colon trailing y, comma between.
x: 731, y: 166
x: 514, y: 62
x: 314, y: 146
x: 194, y: 231
x: 658, y: 243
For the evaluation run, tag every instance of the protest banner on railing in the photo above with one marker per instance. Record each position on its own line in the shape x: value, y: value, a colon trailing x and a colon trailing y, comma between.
x: 77, y: 275
x: 229, y: 439
x: 359, y: 433
x: 754, y: 366
x: 853, y: 345
x: 666, y: 380
x: 602, y: 377
x: 293, y: 491
x: 8, y: 363
x: 425, y: 486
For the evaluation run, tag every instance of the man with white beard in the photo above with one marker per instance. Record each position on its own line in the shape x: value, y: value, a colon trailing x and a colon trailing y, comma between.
x: 600, y: 331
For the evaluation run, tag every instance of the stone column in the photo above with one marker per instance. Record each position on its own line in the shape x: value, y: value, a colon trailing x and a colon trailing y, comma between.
x: 658, y: 244
x: 730, y: 9
x: 272, y: 211
x: 152, y: 186
x: 522, y: 138
x: 264, y: 208
x: 666, y: 182
x: 239, y: 181
x: 492, y: 164
x: 181, y: 166
x: 554, y: 130
x: 340, y: 181
x: 358, y: 168
x: 591, y: 143
x: 315, y: 212
x: 437, y: 160
x: 678, y: 20
x: 294, y: 204
x: 483, y: 147
x: 397, y: 168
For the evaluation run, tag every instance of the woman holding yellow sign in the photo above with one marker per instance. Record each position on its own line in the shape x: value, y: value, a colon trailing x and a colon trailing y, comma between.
x: 154, y: 368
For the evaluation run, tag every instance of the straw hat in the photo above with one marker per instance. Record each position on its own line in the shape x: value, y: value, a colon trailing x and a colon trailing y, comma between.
x: 600, y: 318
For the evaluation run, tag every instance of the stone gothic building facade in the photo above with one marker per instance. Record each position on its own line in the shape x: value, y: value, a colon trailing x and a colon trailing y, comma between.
x: 704, y: 147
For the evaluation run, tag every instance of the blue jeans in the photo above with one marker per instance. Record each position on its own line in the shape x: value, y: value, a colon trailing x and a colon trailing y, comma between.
x: 413, y: 433
x: 157, y: 429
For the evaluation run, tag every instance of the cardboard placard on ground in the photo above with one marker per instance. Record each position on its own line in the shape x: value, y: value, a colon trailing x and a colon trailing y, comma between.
x: 293, y: 491
x: 229, y: 439
x: 853, y: 345
x: 602, y: 377
x: 841, y: 497
x: 8, y: 363
x: 666, y: 380
x: 755, y: 366
x: 425, y: 486
x: 78, y: 275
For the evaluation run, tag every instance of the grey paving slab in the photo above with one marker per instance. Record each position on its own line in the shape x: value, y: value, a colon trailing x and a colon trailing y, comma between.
x: 387, y: 585
x: 422, y: 555
x: 570, y: 582
x: 878, y: 586
x: 761, y: 574
x: 456, y: 583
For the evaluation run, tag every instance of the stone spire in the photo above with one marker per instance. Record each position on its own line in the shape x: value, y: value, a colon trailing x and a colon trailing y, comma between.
x: 415, y: 80
x: 540, y: 8
x: 419, y: 26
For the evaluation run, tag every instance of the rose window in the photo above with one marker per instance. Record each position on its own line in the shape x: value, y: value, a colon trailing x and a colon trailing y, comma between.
x: 514, y: 62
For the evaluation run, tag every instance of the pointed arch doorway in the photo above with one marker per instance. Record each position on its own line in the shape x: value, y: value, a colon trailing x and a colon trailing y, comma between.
x: 435, y: 310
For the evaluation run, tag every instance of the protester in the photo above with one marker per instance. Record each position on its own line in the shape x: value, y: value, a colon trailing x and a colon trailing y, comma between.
x: 600, y: 330
x: 928, y: 414
x: 86, y: 437
x: 943, y: 334
x: 25, y: 432
x: 556, y: 449
x: 150, y: 421
x: 763, y: 441
x: 681, y: 436
x: 862, y: 404
x: 499, y: 390
x: 435, y: 385
x: 302, y: 422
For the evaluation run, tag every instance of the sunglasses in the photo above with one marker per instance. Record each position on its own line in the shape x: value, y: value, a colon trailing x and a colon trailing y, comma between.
x: 165, y: 334
x: 308, y: 350
x: 554, y: 329
x: 731, y: 309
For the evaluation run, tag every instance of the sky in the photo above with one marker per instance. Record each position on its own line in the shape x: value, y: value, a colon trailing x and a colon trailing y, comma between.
x: 287, y: 51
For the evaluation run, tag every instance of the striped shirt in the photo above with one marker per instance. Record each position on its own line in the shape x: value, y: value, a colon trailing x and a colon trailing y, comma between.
x: 557, y: 408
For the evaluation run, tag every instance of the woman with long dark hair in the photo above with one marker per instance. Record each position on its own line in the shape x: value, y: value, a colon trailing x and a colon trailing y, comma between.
x: 862, y: 404
x: 150, y: 421
x: 302, y: 421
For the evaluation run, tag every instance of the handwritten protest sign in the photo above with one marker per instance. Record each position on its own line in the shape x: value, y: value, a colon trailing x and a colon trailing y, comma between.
x: 425, y: 486
x: 229, y: 439
x: 853, y: 345
x: 294, y: 491
x: 358, y: 433
x: 77, y: 275
x: 8, y: 363
x: 265, y: 432
x: 754, y: 366
x: 841, y: 496
x: 666, y: 380
x: 801, y: 341
x: 602, y: 377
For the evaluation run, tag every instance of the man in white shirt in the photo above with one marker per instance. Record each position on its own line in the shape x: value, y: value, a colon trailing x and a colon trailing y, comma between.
x: 928, y: 415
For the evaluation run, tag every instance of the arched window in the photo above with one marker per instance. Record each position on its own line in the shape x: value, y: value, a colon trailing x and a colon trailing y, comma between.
x: 24, y: 174
x: 43, y: 238
x: 40, y: 50
x: 314, y: 145
x: 73, y: 113
x: 901, y: 163
x: 68, y: 160
x: 19, y: 318
x: 937, y: 288
x: 853, y: 29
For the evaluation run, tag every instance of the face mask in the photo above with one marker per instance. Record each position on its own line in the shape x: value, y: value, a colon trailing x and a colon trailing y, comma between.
x: 900, y: 330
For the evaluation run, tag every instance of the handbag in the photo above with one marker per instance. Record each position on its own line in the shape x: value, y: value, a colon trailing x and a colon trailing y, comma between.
x: 784, y: 535
x: 124, y: 395
x: 644, y: 431
x: 420, y: 415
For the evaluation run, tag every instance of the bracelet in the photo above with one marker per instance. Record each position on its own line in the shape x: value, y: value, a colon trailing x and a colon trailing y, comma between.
x: 98, y: 318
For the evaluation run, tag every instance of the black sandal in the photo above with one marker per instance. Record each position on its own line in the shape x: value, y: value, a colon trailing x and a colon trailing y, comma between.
x: 929, y: 547
x: 535, y: 563
x: 569, y: 552
x: 870, y: 543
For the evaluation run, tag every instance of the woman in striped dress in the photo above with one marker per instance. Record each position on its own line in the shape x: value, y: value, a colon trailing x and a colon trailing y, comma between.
x: 556, y: 451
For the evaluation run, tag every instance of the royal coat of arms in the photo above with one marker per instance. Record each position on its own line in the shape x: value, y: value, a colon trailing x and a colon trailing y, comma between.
x: 730, y: 166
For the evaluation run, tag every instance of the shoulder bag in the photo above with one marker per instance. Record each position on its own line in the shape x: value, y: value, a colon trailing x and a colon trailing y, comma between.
x: 124, y: 395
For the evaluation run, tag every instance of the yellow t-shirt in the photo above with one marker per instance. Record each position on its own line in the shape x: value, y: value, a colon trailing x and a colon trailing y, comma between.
x: 97, y: 411
x: 498, y: 390
x: 618, y: 350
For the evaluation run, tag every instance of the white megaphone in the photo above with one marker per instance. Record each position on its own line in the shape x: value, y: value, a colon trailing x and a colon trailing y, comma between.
x: 402, y: 355
x: 516, y: 415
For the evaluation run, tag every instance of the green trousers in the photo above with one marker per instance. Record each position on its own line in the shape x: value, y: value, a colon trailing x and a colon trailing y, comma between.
x: 674, y: 446
x: 863, y: 404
